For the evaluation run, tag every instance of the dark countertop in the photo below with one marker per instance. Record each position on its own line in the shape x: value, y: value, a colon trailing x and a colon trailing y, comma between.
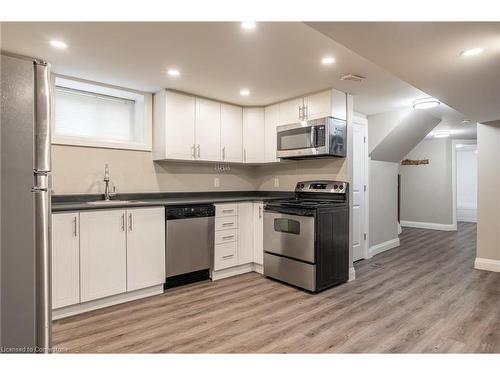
x: 77, y: 202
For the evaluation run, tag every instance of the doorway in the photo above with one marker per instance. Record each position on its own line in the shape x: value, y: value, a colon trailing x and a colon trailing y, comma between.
x: 465, y: 181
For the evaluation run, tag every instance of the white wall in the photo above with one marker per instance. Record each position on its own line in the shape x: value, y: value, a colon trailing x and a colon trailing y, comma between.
x: 426, y: 190
x: 467, y: 184
x: 488, y: 202
x: 383, y: 203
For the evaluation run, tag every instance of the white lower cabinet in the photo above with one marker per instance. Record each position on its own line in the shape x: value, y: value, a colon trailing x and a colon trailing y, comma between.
x: 258, y: 233
x: 65, y: 259
x: 103, y: 256
x: 239, y: 249
x: 99, y: 256
x: 145, y: 247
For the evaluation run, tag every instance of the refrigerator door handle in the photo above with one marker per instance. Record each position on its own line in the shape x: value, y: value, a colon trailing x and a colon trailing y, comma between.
x: 42, y: 118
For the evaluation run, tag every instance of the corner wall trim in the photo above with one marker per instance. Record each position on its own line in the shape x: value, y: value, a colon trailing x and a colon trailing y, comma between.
x: 433, y: 226
x: 352, y: 274
x: 384, y: 246
x: 486, y: 264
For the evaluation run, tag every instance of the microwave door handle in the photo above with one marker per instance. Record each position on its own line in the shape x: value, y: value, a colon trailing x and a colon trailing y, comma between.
x: 313, y: 136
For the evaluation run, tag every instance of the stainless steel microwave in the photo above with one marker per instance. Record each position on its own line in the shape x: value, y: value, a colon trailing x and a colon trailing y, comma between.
x: 316, y: 138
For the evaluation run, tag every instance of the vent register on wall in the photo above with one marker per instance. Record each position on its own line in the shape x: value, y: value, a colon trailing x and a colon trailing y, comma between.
x: 190, y: 128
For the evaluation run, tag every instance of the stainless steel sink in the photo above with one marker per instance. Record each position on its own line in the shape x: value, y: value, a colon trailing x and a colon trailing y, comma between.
x: 111, y: 202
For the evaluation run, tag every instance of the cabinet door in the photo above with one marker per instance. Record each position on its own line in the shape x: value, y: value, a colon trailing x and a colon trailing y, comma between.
x: 179, y: 126
x: 245, y: 232
x: 145, y: 247
x: 258, y: 233
x: 318, y: 105
x: 290, y: 111
x: 103, y: 264
x: 253, y: 135
x: 339, y: 104
x: 272, y: 119
x: 231, y: 133
x: 207, y: 130
x: 65, y: 260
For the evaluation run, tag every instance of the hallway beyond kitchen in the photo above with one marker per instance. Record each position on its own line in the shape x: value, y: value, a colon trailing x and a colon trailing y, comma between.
x: 424, y: 296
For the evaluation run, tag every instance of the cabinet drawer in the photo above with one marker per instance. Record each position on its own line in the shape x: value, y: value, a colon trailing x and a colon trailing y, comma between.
x: 226, y: 222
x: 225, y: 255
x: 230, y: 209
x: 224, y: 236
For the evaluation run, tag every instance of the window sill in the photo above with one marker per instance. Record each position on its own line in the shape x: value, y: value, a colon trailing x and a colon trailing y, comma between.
x: 84, y: 142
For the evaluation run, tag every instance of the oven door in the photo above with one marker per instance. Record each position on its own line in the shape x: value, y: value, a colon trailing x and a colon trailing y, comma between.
x: 298, y: 140
x: 289, y: 235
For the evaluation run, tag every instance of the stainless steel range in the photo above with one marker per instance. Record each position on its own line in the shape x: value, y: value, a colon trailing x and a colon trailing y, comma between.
x: 306, y: 238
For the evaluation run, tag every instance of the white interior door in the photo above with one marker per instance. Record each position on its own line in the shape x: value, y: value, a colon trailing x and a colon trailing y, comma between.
x: 467, y: 184
x: 358, y: 191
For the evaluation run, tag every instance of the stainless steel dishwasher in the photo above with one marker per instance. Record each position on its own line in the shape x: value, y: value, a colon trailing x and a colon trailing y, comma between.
x: 189, y: 243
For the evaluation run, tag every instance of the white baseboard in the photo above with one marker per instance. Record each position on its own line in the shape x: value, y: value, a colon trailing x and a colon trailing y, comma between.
x: 352, y: 274
x: 384, y: 246
x: 486, y: 264
x: 66, y: 311
x: 400, y: 230
x: 433, y: 226
x: 233, y: 271
x: 468, y: 215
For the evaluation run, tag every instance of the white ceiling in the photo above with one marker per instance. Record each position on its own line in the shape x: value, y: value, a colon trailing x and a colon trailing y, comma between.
x: 276, y: 61
x: 426, y: 55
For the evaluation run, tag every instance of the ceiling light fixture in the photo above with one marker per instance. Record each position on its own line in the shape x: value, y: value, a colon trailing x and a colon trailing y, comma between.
x: 244, y: 92
x: 328, y: 60
x: 441, y: 134
x: 465, y: 122
x: 173, y: 72
x: 58, y: 44
x: 425, y: 103
x: 472, y: 52
x: 248, y: 25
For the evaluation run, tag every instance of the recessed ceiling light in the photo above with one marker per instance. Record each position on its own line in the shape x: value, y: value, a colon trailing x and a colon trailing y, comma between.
x: 465, y: 122
x: 248, y: 25
x: 328, y: 60
x: 173, y: 72
x: 244, y: 92
x: 472, y: 52
x: 441, y: 134
x: 58, y: 44
x: 425, y: 103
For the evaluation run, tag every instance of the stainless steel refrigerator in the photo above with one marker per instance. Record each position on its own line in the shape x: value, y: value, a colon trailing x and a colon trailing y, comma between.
x: 25, y: 299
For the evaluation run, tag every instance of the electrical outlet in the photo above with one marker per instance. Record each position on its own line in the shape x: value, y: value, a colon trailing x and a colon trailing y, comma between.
x: 216, y: 182
x: 276, y: 182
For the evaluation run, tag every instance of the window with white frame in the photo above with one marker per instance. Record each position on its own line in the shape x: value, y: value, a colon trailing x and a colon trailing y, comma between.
x: 89, y: 114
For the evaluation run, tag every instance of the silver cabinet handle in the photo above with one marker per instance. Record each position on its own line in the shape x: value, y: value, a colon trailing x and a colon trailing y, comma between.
x: 193, y: 151
x: 227, y: 224
x: 227, y: 237
x: 199, y: 152
x: 123, y: 222
x: 130, y: 221
x: 227, y: 256
x: 300, y: 113
x: 224, y: 153
x: 244, y: 154
x: 75, y: 227
x: 260, y: 212
x: 306, y: 112
x: 228, y: 210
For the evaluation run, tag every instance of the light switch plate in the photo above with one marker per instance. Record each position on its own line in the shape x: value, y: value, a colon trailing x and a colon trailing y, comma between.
x: 276, y: 182
x: 216, y: 182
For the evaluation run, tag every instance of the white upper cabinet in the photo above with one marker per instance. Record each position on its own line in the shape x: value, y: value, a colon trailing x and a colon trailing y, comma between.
x: 271, y: 114
x: 65, y: 259
x: 253, y: 135
x: 231, y: 133
x: 207, y: 130
x: 322, y: 104
x: 173, y: 126
x: 290, y: 112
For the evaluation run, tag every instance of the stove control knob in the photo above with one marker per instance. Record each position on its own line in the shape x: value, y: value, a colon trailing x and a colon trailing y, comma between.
x: 335, y: 187
x: 302, y: 186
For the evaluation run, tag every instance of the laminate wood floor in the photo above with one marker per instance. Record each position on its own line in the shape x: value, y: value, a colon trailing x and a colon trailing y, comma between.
x: 424, y: 296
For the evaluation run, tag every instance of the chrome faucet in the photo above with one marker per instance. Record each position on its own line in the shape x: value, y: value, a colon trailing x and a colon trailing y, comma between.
x: 107, y: 193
